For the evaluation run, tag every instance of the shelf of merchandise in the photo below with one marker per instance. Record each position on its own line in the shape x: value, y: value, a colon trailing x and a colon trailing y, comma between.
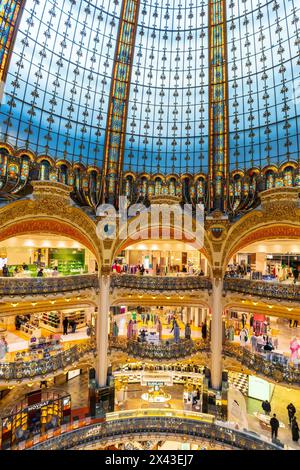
x: 30, y: 330
x: 51, y: 321
x: 78, y: 315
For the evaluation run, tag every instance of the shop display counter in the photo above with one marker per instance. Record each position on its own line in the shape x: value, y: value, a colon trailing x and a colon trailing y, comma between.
x: 264, y: 421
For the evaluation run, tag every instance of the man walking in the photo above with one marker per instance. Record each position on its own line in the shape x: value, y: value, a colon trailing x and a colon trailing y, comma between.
x: 291, y: 411
x: 65, y: 325
x: 266, y: 406
x: 274, y: 426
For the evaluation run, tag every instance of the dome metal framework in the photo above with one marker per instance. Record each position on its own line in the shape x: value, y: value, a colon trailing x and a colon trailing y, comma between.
x: 197, y: 99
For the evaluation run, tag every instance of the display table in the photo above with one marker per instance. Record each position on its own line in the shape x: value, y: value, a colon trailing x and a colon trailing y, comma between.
x: 156, y: 396
x: 152, y: 337
x: 264, y: 421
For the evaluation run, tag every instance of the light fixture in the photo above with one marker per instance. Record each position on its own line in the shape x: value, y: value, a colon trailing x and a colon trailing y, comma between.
x: 67, y: 300
x: 289, y: 309
x: 181, y: 298
x: 154, y: 297
x: 33, y: 304
x: 270, y: 306
x: 254, y: 303
x: 15, y: 305
x: 52, y: 302
x: 78, y: 298
x: 168, y: 298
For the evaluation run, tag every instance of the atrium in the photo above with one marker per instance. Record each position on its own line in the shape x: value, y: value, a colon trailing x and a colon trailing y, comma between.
x: 149, y: 225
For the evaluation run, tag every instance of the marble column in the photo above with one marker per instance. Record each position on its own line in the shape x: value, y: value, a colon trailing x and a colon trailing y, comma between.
x: 216, y: 334
x: 188, y: 314
x: 102, y: 326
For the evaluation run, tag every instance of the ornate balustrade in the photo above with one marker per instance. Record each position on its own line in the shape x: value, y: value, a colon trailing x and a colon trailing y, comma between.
x: 160, y: 283
x: 14, y: 286
x: 24, y: 371
x: 272, y: 290
x: 261, y: 364
x: 153, y: 423
x: 162, y: 351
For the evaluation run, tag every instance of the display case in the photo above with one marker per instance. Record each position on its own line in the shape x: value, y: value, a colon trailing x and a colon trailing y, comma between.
x: 51, y: 321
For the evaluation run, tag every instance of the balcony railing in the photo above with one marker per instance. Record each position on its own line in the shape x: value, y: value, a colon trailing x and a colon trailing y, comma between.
x: 24, y: 371
x: 261, y: 364
x: 271, y: 290
x: 162, y: 351
x: 14, y: 286
x: 160, y: 283
x: 146, y: 424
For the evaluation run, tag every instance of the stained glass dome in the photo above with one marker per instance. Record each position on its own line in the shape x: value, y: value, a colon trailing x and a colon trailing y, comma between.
x: 57, y: 91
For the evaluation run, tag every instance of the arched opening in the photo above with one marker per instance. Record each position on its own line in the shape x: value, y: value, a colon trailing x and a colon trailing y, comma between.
x: 265, y: 272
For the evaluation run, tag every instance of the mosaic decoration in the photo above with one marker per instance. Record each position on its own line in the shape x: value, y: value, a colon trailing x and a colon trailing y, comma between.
x: 118, y: 105
x: 10, y: 13
x: 218, y: 110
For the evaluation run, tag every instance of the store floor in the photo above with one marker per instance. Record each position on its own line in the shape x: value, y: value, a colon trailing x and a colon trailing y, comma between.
x: 122, y: 321
x: 78, y: 388
x: 18, y: 341
x: 281, y: 329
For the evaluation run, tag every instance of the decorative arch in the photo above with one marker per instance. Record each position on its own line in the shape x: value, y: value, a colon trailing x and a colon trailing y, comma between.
x: 120, y: 243
x: 50, y: 212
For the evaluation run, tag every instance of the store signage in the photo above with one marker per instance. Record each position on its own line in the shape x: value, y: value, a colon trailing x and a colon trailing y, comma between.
x: 155, y: 384
x: 37, y: 406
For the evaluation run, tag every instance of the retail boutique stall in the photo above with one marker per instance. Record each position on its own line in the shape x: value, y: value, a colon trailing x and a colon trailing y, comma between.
x: 25, y: 256
x: 37, y: 413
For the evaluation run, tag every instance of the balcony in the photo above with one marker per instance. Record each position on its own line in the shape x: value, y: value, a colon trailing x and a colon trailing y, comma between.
x: 270, y: 290
x: 151, y: 284
x: 41, y: 368
x: 153, y: 424
x: 279, y: 372
x: 163, y: 351
x: 15, y: 286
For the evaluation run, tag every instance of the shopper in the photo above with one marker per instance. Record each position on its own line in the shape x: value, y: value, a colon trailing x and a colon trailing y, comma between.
x: 129, y: 329
x: 291, y: 411
x: 5, y: 272
x: 65, y: 325
x: 40, y: 273
x: 266, y: 406
x: 187, y: 331
x: 55, y: 271
x: 253, y: 341
x: 176, y: 332
x: 295, y: 429
x: 74, y: 325
x: 204, y: 330
x: 159, y: 329
x: 274, y: 423
x: 115, y: 330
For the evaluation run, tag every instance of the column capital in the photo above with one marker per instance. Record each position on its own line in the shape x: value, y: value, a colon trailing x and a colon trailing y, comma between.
x: 217, y: 273
x: 105, y: 270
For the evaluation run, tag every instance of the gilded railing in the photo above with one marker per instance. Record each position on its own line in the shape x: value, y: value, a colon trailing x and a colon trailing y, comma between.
x: 275, y: 290
x: 14, y: 286
x: 15, y: 371
x: 162, y: 351
x: 160, y: 283
x: 267, y: 365
x: 141, y: 424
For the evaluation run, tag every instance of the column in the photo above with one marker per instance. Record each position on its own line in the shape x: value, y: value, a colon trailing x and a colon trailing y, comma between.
x: 198, y: 316
x: 216, y: 334
x: 188, y: 314
x: 102, y: 330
